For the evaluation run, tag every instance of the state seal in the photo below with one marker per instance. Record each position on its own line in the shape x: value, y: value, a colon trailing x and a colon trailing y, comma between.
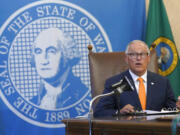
x: 44, y: 73
x: 167, y: 55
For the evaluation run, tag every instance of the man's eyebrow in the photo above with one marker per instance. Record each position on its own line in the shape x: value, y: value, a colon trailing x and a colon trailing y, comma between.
x: 37, y: 48
x: 51, y: 47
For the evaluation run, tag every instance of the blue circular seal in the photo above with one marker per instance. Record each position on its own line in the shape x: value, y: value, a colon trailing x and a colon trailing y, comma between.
x: 44, y: 73
x: 167, y: 55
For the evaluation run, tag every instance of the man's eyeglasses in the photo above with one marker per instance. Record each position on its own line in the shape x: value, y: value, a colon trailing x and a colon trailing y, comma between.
x: 136, y: 55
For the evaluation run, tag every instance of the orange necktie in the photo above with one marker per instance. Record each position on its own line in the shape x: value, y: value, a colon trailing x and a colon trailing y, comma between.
x: 142, y: 93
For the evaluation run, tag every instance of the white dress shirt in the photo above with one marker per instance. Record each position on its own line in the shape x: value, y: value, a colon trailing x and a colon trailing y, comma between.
x: 136, y: 82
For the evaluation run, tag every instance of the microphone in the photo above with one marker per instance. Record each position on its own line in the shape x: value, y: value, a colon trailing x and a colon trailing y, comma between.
x: 123, y: 85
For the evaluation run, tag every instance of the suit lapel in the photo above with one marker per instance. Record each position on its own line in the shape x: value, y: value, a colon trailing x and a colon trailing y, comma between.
x: 150, y: 86
x: 134, y: 94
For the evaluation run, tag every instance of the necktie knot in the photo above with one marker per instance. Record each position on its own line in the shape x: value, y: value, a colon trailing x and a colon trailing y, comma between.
x: 140, y: 80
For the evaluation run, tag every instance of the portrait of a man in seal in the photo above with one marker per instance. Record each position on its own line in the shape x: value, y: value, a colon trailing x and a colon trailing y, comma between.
x: 54, y: 55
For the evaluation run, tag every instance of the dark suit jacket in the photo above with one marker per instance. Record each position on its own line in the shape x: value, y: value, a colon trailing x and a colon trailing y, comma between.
x: 159, y: 95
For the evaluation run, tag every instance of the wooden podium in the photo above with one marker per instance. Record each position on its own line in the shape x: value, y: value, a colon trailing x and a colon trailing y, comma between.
x: 131, y: 125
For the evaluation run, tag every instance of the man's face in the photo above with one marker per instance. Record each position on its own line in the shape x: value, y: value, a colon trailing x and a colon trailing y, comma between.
x: 47, y: 56
x: 138, y: 58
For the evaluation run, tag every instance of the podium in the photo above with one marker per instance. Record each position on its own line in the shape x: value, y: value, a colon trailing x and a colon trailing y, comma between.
x: 126, y: 125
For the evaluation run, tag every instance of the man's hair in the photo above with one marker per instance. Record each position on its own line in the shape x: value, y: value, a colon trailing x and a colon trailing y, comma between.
x: 66, y: 44
x: 135, y: 41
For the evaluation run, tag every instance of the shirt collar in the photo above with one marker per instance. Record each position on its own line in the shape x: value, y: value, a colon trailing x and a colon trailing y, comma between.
x: 135, y: 77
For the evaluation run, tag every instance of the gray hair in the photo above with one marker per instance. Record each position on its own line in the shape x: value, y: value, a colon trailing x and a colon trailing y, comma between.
x: 135, y: 41
x: 66, y: 43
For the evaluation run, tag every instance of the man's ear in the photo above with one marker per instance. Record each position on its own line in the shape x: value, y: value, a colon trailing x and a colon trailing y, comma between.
x: 126, y: 59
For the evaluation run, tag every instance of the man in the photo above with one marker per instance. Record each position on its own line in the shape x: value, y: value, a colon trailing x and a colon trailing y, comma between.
x: 151, y: 91
x: 54, y: 55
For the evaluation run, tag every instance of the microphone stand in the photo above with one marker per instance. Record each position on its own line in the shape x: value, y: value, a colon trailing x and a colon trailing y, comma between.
x: 90, y: 115
x: 96, y: 97
x: 117, y: 91
x: 118, y: 88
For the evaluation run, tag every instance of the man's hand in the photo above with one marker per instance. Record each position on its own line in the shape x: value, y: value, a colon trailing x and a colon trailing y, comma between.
x: 128, y: 109
x: 178, y: 103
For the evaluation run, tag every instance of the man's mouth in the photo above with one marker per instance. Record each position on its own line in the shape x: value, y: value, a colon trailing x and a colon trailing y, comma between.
x: 138, y: 64
x: 45, y: 68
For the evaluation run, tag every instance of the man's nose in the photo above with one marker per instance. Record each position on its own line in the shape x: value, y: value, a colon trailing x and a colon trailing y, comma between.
x: 46, y: 56
x: 45, y: 59
x: 138, y: 56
